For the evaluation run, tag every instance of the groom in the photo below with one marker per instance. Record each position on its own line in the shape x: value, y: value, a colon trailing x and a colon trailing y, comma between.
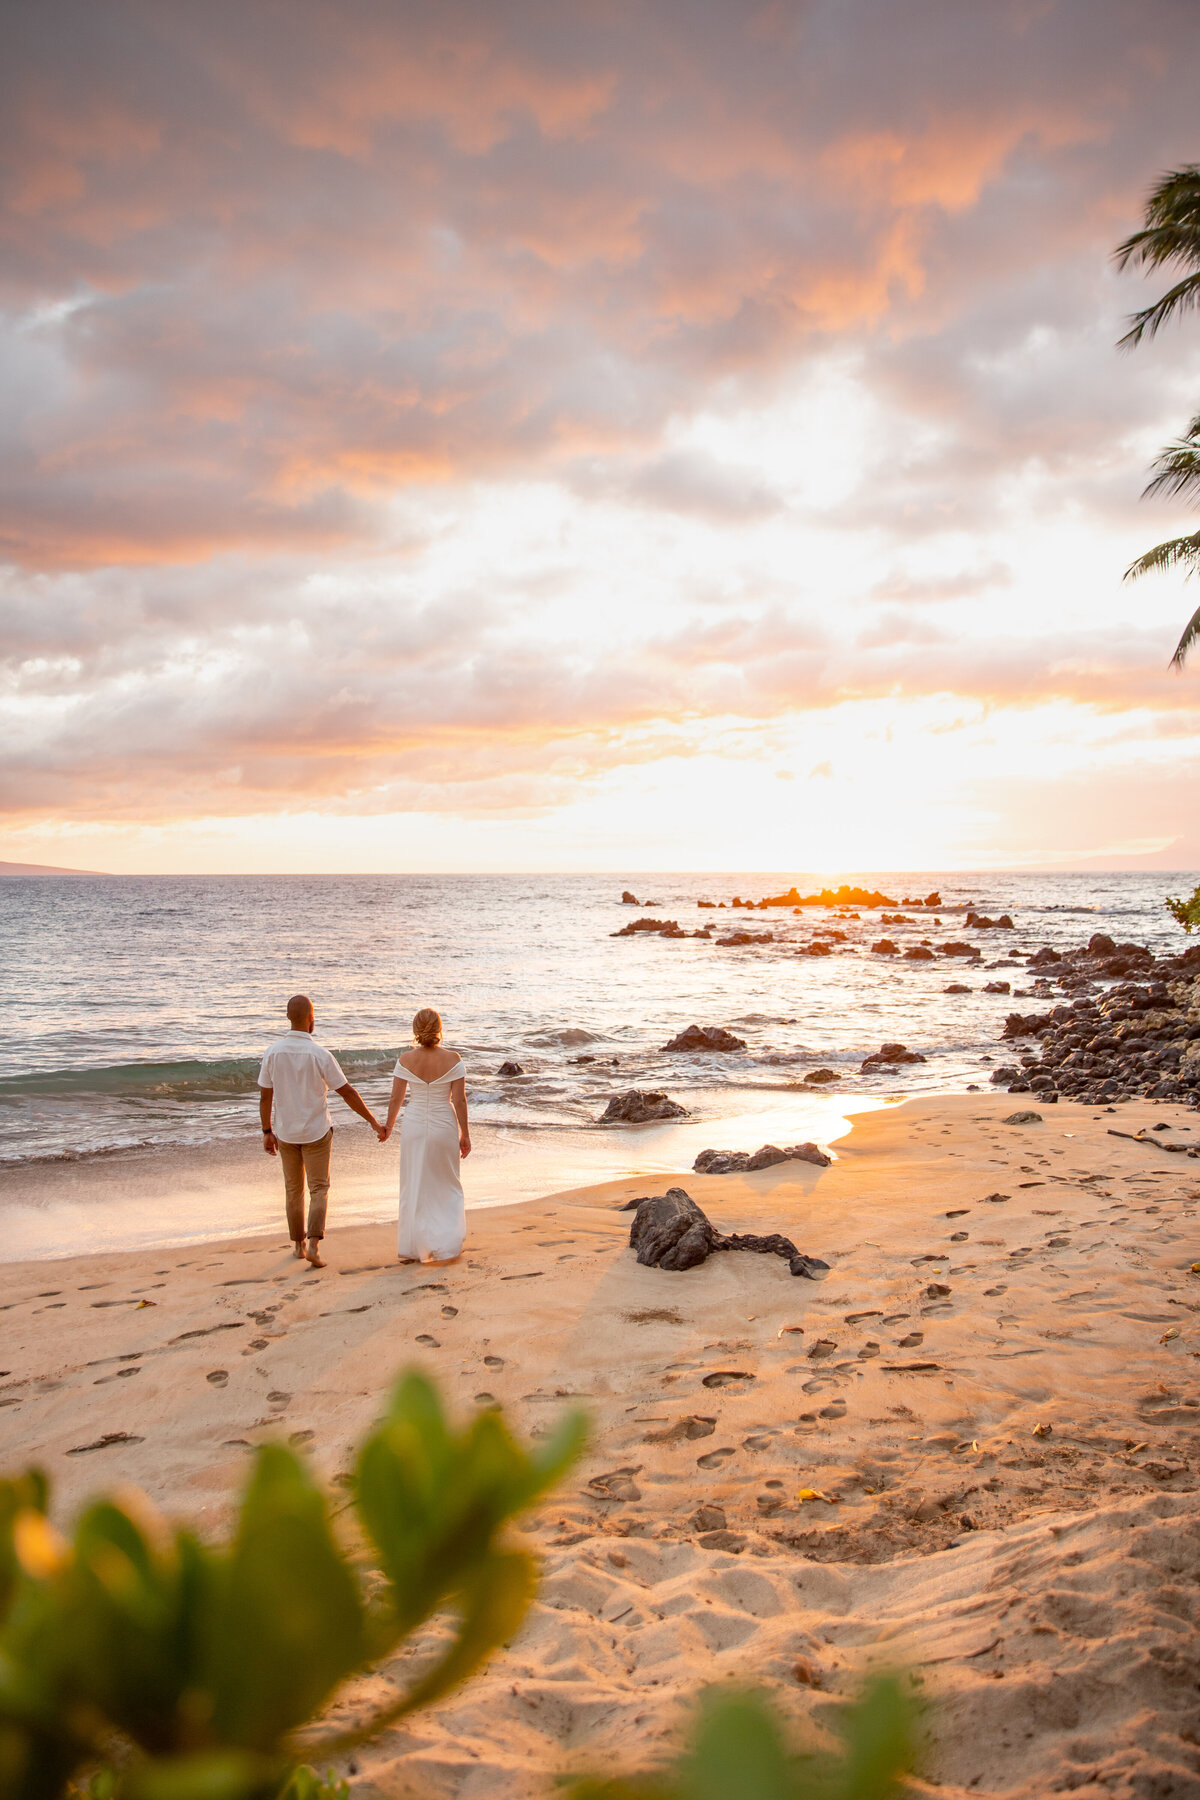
x: 293, y: 1105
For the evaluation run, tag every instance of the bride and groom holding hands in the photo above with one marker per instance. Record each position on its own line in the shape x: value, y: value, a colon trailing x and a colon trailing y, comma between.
x: 294, y: 1082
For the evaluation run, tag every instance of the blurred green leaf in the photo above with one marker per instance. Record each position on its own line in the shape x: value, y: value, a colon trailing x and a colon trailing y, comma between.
x: 305, y: 1784
x: 152, y: 1667
x: 21, y: 1494
x: 212, y: 1775
x: 737, y: 1749
x: 287, y: 1624
x: 878, y: 1733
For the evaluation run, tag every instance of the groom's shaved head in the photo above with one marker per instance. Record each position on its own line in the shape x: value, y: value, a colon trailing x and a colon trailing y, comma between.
x: 299, y: 1011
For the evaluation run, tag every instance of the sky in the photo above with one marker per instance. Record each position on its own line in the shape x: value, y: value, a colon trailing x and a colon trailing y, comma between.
x: 589, y: 436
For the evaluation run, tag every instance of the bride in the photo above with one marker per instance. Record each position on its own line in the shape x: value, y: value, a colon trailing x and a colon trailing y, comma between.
x: 434, y: 1138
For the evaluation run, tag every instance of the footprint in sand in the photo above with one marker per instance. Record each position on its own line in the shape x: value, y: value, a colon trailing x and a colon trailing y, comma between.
x: 449, y: 1312
x: 959, y: 1237
x: 485, y: 1399
x: 727, y: 1377
x: 822, y: 1348
x: 715, y: 1458
x: 492, y: 1362
x: 278, y: 1399
x: 217, y: 1377
x: 430, y: 1343
x: 301, y: 1437
x: 896, y: 1318
x: 835, y: 1410
x: 869, y: 1349
x: 696, y: 1425
x: 913, y: 1338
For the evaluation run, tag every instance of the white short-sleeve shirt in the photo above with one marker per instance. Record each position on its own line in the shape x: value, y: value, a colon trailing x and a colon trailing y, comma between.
x: 301, y: 1073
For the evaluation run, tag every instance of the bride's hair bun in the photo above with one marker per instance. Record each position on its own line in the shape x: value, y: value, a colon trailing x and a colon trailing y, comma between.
x: 427, y: 1028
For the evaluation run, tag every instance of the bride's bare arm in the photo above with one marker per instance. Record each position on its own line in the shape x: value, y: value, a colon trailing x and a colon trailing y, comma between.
x: 394, y: 1105
x: 458, y: 1100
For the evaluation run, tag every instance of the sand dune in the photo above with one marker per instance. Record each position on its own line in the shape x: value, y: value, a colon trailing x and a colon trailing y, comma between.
x: 992, y: 1402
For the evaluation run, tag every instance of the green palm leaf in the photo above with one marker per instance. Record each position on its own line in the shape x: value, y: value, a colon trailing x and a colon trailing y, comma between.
x: 1171, y: 235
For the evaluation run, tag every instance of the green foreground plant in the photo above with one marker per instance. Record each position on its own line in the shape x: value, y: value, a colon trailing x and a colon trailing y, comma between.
x: 163, y: 1669
x: 137, y: 1663
x: 1185, y: 912
x: 738, y: 1751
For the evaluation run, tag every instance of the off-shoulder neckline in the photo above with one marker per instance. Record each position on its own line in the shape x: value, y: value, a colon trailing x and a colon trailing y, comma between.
x: 412, y: 1073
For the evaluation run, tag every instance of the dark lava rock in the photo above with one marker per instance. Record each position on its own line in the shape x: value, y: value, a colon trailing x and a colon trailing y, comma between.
x: 980, y: 922
x: 885, y: 947
x: 637, y: 1106
x: 890, y: 1054
x: 843, y: 896
x: 958, y: 987
x: 669, y: 1231
x: 819, y: 1077
x: 514, y: 1068
x: 1135, y: 1039
x: 958, y: 949
x: 665, y: 928
x: 738, y: 1162
x: 628, y: 899
x: 997, y: 987
x: 919, y: 953
x: 748, y: 937
x: 705, y: 1037
x: 1023, y: 1118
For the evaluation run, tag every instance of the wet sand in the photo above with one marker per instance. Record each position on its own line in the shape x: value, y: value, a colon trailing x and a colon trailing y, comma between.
x: 994, y: 1399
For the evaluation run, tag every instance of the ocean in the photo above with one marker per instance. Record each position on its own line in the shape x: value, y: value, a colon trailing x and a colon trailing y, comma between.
x: 134, y: 1011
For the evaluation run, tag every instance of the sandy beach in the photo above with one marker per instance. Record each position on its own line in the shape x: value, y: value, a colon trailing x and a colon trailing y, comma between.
x: 992, y: 1395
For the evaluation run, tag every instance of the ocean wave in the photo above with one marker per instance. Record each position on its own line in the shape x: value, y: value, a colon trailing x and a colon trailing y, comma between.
x: 568, y: 1036
x: 170, y: 1080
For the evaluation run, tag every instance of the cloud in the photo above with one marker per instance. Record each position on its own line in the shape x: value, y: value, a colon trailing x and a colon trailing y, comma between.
x: 393, y: 394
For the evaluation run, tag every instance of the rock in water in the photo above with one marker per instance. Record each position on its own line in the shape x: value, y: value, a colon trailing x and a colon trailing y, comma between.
x: 705, y: 1037
x: 818, y: 1077
x: 628, y: 899
x: 637, y: 1106
x: 889, y: 1054
x: 513, y: 1068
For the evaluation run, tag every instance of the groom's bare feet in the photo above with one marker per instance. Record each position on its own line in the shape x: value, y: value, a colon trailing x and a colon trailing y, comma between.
x: 298, y: 1248
x: 313, y: 1253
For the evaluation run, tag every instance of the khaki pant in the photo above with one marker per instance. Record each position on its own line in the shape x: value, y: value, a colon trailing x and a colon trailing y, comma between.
x: 311, y: 1160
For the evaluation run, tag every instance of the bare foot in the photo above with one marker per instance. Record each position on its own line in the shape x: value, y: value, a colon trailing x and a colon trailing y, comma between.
x: 313, y: 1253
x: 298, y: 1248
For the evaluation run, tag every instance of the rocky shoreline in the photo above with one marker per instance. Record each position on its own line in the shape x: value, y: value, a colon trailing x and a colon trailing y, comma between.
x: 1139, y: 1038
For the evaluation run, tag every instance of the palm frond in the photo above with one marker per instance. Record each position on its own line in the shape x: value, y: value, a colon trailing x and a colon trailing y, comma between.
x: 1180, y: 299
x: 1183, y: 552
x: 1177, y: 468
x: 1191, y: 632
x: 1172, y: 229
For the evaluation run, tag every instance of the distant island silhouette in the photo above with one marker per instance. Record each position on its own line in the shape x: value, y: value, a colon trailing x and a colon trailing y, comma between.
x: 23, y: 868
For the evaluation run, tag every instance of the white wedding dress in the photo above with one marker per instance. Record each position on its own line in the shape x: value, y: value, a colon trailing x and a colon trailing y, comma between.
x: 432, y: 1210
